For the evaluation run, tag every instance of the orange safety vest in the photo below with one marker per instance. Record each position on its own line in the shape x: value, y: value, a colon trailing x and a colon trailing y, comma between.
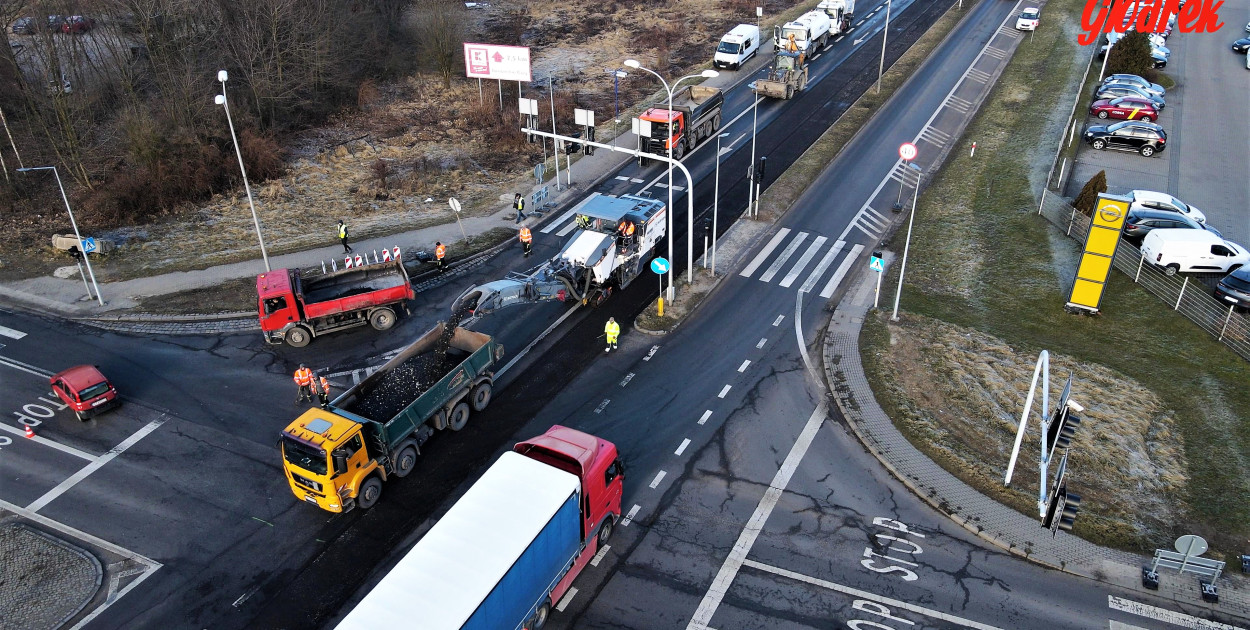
x: 325, y: 385
x: 627, y: 228
x: 303, y: 377
x: 440, y: 251
x: 526, y: 237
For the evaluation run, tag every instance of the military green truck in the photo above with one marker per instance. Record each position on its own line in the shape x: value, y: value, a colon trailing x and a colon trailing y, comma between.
x: 337, y: 458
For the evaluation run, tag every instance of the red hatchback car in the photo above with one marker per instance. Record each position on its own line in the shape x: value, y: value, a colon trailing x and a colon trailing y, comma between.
x: 1124, y: 108
x: 77, y: 24
x: 85, y: 390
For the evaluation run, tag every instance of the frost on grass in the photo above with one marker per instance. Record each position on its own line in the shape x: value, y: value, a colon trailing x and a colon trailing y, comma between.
x: 960, y: 393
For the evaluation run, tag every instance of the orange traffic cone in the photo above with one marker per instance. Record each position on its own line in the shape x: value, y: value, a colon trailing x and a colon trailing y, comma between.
x: 30, y: 433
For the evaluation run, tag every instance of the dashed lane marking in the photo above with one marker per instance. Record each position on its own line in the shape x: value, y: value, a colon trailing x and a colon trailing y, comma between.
x: 743, y: 367
x: 780, y: 318
x: 10, y: 333
x: 628, y: 377
x: 706, y: 414
x: 763, y: 340
x: 568, y: 597
x: 724, y: 391
x: 603, y: 405
x: 658, y: 478
x: 603, y: 551
x: 682, y: 449
x: 629, y: 517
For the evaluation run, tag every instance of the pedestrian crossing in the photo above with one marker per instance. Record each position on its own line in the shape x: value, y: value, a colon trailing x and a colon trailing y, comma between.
x: 788, y: 255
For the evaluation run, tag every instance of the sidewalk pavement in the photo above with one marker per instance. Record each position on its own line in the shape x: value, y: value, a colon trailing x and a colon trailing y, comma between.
x: 992, y: 521
x: 67, y: 297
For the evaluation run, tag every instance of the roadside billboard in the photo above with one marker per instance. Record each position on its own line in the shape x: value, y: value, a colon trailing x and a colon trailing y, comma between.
x: 1100, y: 245
x: 505, y: 63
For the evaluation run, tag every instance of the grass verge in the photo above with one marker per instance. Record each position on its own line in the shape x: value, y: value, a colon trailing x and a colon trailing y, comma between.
x: 981, y: 259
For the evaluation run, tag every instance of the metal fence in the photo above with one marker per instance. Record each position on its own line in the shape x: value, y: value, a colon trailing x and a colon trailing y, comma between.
x: 1184, y: 293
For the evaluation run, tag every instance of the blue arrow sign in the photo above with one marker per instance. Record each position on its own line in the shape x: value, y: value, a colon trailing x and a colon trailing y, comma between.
x: 875, y: 264
x: 659, y: 266
x: 88, y: 245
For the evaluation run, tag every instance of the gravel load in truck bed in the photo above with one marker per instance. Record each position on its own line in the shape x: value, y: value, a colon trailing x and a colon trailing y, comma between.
x: 404, y: 384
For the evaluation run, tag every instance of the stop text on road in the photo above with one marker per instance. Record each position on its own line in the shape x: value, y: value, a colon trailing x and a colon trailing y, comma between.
x: 907, y: 151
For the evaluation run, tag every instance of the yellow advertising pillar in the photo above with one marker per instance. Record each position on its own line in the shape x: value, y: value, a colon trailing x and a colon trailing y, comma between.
x: 1100, y: 244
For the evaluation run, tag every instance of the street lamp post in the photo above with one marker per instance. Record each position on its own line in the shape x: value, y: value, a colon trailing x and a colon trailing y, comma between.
x: 885, y: 35
x: 221, y: 100
x: 716, y: 202
x: 898, y: 291
x: 755, y: 116
x: 85, y: 257
x: 707, y: 74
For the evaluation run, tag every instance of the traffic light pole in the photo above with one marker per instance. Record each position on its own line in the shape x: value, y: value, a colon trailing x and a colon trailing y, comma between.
x: 652, y: 156
x: 1055, y: 506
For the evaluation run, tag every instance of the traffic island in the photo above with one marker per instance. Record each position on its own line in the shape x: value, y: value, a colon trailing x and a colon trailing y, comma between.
x: 51, y: 580
x: 689, y: 297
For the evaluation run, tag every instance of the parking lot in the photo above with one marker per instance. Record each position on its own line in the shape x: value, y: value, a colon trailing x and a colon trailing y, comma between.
x: 1208, y: 132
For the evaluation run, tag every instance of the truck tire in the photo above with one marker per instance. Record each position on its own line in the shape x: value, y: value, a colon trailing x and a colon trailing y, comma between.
x: 540, y: 617
x: 298, y: 337
x: 459, y: 416
x: 605, y: 531
x: 789, y: 91
x: 480, y: 396
x: 369, y: 492
x: 715, y: 122
x: 405, y: 461
x: 679, y: 150
x: 382, y: 318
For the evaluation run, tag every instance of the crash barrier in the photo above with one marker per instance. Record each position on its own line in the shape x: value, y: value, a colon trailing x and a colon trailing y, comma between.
x: 363, y: 259
x: 1187, y: 294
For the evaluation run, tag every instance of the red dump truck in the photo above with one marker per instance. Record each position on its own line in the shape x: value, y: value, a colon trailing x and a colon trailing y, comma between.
x: 295, y: 309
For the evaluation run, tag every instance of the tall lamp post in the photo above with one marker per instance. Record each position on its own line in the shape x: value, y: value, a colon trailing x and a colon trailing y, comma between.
x: 707, y: 74
x: 885, y: 35
x: 898, y: 292
x: 716, y: 201
x: 221, y: 100
x: 85, y: 257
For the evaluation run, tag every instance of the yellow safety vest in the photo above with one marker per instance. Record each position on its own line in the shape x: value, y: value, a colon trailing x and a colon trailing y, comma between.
x: 612, y: 329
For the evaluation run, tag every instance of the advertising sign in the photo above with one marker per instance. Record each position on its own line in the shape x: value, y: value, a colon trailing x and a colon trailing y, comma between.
x: 505, y: 63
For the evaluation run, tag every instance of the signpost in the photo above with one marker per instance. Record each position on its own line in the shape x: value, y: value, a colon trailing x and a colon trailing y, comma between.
x: 660, y: 266
x: 876, y: 264
x: 908, y: 153
x: 88, y: 245
x: 455, y: 207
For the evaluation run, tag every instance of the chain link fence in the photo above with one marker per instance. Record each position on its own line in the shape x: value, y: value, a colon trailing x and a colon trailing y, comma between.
x: 1187, y: 294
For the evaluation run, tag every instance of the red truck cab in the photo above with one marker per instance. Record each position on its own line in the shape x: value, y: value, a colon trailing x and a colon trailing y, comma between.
x: 596, y: 462
x: 85, y: 390
x: 294, y: 309
x: 665, y: 124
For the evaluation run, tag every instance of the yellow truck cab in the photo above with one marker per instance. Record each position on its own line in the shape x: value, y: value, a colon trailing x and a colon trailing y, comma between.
x: 326, y: 459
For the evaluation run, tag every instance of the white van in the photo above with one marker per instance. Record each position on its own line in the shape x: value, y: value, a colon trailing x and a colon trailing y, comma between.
x: 737, y: 46
x: 1176, y: 250
x: 810, y: 30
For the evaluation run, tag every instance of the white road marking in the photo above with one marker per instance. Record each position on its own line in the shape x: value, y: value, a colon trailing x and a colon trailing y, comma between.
x: 25, y: 367
x: 1164, y: 615
x: 768, y: 249
x: 816, y: 56
x: 635, y: 180
x: 777, y: 322
x: 537, y: 339
x: 603, y: 405
x: 630, y: 516
x: 743, y: 367
x: 781, y: 259
x: 682, y: 449
x: 603, y: 551
x: 819, y: 271
x: 706, y: 414
x: 73, y: 479
x: 242, y: 598
x: 1116, y: 625
x: 802, y: 262
x: 628, y: 377
x: 888, y: 601
x: 675, y: 186
x: 622, y: 178
x: 568, y: 597
x: 651, y: 353
x: 49, y: 443
x: 720, y: 585
x: 763, y: 340
x: 564, y: 231
x: 724, y: 391
x: 832, y: 286
x: 658, y: 478
x: 798, y: 334
x: 10, y: 333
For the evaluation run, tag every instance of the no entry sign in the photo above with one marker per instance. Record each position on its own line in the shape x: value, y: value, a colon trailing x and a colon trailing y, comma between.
x: 907, y: 151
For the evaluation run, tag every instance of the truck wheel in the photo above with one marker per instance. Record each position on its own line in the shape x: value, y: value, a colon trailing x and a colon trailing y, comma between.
x: 715, y: 123
x: 540, y: 617
x: 480, y: 396
x: 382, y: 319
x: 459, y: 417
x: 789, y: 91
x: 298, y: 337
x: 405, y: 461
x: 679, y: 151
x: 605, y: 531
x: 369, y: 492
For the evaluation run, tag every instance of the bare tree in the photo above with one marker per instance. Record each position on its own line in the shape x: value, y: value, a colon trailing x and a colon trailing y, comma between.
x: 440, y: 28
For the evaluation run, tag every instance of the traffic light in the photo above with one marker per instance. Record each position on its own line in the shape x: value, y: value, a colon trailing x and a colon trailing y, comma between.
x: 590, y: 135
x: 1061, y: 511
x: 1061, y: 430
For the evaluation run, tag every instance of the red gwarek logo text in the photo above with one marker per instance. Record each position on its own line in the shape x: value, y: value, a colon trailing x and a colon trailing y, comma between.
x: 1150, y: 16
